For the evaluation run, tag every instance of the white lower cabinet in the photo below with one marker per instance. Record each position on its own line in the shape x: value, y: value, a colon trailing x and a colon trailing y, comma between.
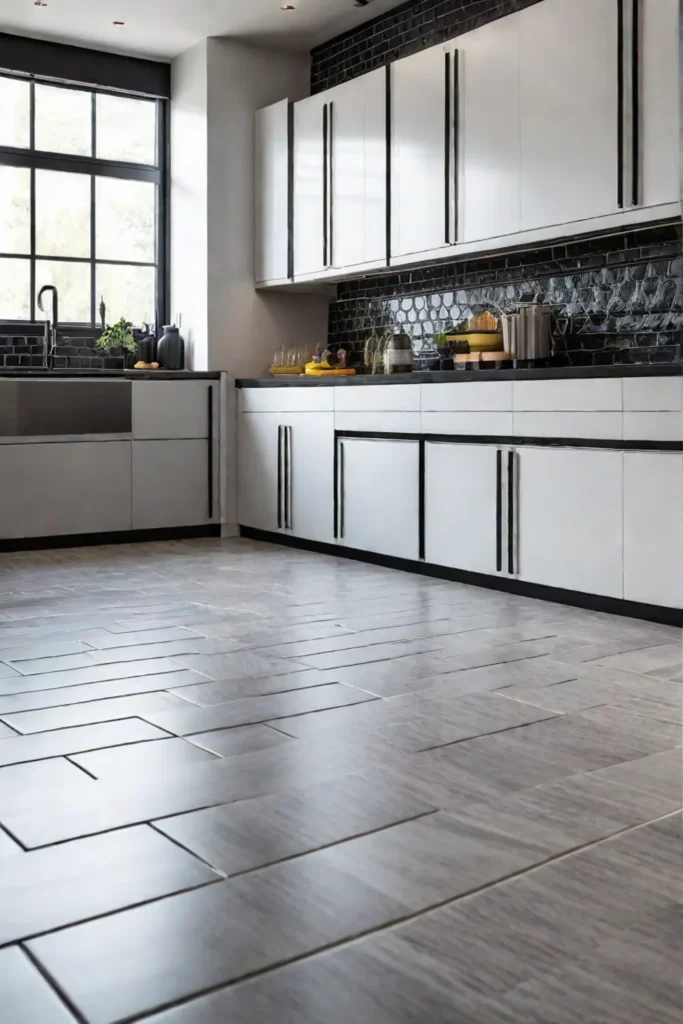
x: 653, y: 528
x: 172, y: 484
x: 569, y: 520
x: 379, y: 496
x: 286, y: 473
x: 462, y: 506
x: 52, y: 490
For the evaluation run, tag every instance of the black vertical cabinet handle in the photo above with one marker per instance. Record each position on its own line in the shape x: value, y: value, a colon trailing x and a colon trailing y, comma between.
x: 499, y: 511
x: 325, y: 178
x: 511, y: 513
x: 456, y: 143
x: 330, y: 184
x: 447, y: 151
x: 341, y: 490
x: 288, y: 480
x: 209, y: 391
x: 635, y: 100
x: 620, y: 103
x: 279, y: 477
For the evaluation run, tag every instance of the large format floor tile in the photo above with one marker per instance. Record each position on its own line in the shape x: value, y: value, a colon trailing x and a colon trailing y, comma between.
x: 25, y: 996
x: 256, y: 784
x: 50, y: 888
x: 243, y: 836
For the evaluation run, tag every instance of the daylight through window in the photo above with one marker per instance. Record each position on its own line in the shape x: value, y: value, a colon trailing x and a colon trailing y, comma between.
x: 81, y: 202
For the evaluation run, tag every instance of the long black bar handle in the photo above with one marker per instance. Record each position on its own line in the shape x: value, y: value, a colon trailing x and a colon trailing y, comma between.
x: 325, y: 183
x: 280, y: 477
x: 388, y: 143
x: 620, y: 104
x: 447, y: 151
x: 288, y: 491
x: 499, y: 511
x: 209, y: 435
x: 341, y: 490
x: 330, y: 183
x: 511, y: 513
x: 456, y: 143
x: 635, y: 100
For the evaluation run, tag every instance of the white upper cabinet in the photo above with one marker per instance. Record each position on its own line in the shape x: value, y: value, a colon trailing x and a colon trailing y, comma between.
x: 569, y: 68
x: 659, y: 103
x: 310, y: 185
x: 271, y: 182
x: 357, y: 171
x: 488, y: 131
x: 419, y: 175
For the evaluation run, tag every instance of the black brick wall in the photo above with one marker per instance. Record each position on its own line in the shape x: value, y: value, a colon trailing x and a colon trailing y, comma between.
x: 22, y: 345
x: 619, y: 299
x: 400, y: 32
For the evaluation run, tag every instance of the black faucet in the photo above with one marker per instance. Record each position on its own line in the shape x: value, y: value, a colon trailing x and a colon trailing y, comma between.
x: 51, y: 338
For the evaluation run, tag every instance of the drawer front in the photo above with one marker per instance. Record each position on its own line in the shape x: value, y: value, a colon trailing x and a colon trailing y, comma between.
x: 173, y: 409
x: 653, y: 394
x: 379, y: 422
x: 653, y: 426
x: 470, y: 396
x: 493, y: 424
x: 567, y: 395
x: 378, y: 398
x: 304, y: 399
x: 598, y: 426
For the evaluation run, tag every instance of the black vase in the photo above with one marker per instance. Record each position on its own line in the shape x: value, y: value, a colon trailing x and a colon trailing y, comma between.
x: 171, y: 349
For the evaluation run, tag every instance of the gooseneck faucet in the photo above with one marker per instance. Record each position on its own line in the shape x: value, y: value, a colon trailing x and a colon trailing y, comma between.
x: 51, y: 345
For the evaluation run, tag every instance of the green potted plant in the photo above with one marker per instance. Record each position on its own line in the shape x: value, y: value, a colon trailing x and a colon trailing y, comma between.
x: 117, y: 340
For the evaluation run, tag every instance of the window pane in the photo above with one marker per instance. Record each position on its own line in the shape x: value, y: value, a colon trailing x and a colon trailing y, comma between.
x: 126, y: 129
x: 127, y: 292
x: 125, y: 220
x: 62, y: 214
x: 15, y: 287
x: 72, y: 281
x: 15, y: 209
x: 63, y: 120
x: 14, y: 113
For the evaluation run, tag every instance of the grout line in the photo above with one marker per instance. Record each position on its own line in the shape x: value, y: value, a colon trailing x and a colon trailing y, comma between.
x: 391, y: 925
x: 67, y: 757
x: 53, y: 983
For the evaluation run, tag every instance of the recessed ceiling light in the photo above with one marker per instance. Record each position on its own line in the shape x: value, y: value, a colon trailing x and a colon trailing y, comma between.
x: 39, y: 3
x: 287, y: 7
x: 118, y: 23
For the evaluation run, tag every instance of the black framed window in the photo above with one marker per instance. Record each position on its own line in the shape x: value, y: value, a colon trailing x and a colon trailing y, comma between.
x: 83, y: 201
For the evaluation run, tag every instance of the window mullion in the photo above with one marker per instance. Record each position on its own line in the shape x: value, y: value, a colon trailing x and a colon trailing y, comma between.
x: 93, y: 233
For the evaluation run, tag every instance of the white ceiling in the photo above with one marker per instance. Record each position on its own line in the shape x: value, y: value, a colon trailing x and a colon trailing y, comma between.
x: 164, y: 28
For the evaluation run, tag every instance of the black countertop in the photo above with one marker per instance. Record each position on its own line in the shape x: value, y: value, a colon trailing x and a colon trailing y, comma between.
x: 455, y: 376
x: 41, y: 374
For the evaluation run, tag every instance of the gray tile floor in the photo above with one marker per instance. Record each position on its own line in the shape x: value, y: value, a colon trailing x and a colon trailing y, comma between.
x: 241, y: 783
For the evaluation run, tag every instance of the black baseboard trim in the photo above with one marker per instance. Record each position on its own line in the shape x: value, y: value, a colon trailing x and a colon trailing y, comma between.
x: 593, y: 602
x: 85, y: 540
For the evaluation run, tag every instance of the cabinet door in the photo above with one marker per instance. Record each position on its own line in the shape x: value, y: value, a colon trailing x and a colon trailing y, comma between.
x: 569, y: 111
x: 653, y: 528
x: 271, y: 184
x: 52, y: 490
x: 310, y: 479
x: 171, y: 484
x: 358, y: 170
x: 309, y: 185
x: 258, y: 462
x: 570, y: 519
x: 418, y: 148
x: 660, y: 102
x: 379, y: 500
x: 173, y: 409
x: 489, y: 130
x: 463, y: 506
